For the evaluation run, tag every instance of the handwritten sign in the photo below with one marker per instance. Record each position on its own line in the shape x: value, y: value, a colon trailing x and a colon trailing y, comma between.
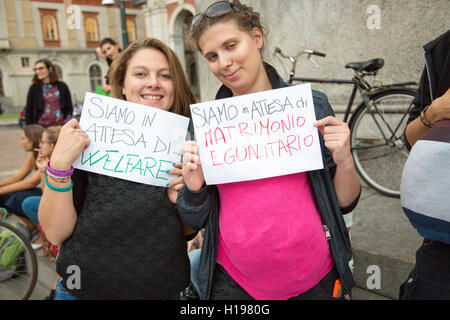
x: 257, y: 136
x: 130, y: 141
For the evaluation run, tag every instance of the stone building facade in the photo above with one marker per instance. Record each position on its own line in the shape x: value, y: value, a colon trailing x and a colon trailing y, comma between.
x: 347, y: 30
x: 68, y: 31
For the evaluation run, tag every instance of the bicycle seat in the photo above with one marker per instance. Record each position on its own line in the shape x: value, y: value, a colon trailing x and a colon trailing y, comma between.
x: 369, y: 66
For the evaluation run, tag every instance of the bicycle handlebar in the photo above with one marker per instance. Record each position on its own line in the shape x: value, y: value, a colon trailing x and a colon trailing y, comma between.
x: 317, y: 53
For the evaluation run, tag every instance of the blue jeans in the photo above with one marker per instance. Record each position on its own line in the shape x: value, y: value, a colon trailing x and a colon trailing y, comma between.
x: 13, y: 201
x: 194, y: 258
x: 61, y: 292
x: 30, y: 207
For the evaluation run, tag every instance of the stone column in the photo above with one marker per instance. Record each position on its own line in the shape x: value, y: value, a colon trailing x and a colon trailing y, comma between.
x: 156, y: 20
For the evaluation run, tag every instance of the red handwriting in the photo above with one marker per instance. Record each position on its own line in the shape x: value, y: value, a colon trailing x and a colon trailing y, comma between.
x: 264, y: 127
x: 287, y: 146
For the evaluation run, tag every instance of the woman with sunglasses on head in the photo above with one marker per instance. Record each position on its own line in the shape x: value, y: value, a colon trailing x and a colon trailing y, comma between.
x: 49, y: 102
x: 126, y: 238
x: 276, y: 238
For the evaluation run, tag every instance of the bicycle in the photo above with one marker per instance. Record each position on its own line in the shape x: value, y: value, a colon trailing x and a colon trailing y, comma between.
x: 18, y: 279
x: 376, y: 126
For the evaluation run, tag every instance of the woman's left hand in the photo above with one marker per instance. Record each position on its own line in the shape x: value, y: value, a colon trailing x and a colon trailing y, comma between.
x: 336, y: 135
x: 175, y: 185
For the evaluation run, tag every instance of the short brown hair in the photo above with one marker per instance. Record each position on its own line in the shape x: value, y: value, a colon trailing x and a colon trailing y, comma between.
x: 245, y: 17
x: 53, y: 75
x: 183, y: 95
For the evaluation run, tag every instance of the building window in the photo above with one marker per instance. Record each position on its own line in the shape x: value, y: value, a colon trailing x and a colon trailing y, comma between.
x: 95, y: 77
x: 49, y: 24
x: 25, y: 62
x: 131, y: 28
x: 91, y: 29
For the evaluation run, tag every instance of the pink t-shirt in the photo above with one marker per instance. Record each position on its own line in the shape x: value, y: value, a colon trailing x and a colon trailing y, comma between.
x: 271, y: 239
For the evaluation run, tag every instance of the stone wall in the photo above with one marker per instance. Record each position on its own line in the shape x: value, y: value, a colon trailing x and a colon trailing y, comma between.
x: 347, y: 31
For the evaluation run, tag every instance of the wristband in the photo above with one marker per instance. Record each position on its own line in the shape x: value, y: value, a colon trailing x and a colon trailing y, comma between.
x: 58, y: 173
x: 422, y: 118
x: 58, y: 189
x: 58, y: 179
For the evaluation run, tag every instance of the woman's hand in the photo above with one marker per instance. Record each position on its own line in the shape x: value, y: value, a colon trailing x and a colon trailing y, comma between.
x: 175, y: 185
x: 41, y: 162
x: 192, y: 169
x: 337, y: 139
x: 72, y: 141
x: 106, y: 88
x: 439, y: 109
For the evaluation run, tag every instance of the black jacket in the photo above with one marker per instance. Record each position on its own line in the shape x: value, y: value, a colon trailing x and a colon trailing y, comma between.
x: 201, y: 209
x: 35, y: 102
x: 435, y: 78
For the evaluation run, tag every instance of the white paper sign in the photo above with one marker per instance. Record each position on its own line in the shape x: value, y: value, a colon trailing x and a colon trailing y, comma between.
x: 130, y: 141
x: 257, y: 136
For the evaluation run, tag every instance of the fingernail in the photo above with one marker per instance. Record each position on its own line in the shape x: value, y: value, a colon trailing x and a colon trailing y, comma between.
x: 167, y: 184
x: 174, y: 163
x: 167, y: 171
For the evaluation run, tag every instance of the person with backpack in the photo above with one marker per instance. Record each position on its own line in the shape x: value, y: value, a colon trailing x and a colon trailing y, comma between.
x: 426, y: 176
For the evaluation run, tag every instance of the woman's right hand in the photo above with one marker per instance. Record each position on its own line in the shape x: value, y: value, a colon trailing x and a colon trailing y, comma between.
x: 106, y: 88
x: 440, y: 108
x: 192, y: 169
x: 72, y: 140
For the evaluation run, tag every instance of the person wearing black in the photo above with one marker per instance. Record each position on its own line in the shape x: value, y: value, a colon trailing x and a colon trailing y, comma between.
x: 126, y: 238
x: 49, y: 102
x: 424, y: 189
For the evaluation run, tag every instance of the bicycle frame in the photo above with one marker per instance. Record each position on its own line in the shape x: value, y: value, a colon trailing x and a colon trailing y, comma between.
x: 355, y: 82
x: 358, y: 82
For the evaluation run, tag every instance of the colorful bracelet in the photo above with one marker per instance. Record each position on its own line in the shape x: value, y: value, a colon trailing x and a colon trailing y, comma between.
x: 58, y: 173
x: 58, y: 189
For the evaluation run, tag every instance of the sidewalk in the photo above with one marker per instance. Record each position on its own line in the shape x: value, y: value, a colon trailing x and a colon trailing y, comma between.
x: 381, y: 235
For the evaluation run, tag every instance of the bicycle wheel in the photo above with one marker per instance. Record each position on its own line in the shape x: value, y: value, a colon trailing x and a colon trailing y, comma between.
x: 376, y: 139
x: 17, y: 278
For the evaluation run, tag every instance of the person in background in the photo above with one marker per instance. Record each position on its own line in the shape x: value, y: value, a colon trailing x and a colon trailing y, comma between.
x: 126, y: 237
x: 108, y: 50
x: 426, y: 176
x: 15, y: 189
x: 49, y: 102
x: 277, y: 238
x: 30, y: 205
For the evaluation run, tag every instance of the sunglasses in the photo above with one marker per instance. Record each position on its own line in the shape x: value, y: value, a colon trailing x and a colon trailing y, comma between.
x: 39, y: 69
x: 216, y: 9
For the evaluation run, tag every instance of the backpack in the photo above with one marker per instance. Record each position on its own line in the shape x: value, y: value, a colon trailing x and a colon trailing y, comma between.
x: 12, y: 252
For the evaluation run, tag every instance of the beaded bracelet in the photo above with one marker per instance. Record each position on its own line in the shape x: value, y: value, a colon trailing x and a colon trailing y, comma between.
x: 58, y: 189
x: 57, y: 173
